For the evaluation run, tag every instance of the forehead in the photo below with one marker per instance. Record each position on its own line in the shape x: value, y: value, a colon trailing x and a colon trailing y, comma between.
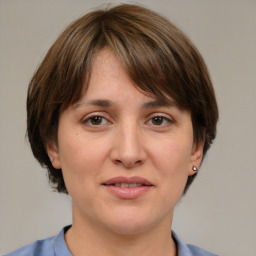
x: 109, y: 79
x: 109, y: 74
x: 106, y: 66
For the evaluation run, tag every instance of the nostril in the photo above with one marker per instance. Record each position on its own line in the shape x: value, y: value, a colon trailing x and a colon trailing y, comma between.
x: 128, y: 164
x: 128, y: 158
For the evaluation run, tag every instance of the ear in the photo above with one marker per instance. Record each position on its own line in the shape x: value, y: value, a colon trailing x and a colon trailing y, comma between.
x: 196, y: 157
x: 53, y: 153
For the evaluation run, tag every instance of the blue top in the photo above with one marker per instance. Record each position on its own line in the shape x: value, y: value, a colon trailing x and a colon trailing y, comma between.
x: 56, y: 246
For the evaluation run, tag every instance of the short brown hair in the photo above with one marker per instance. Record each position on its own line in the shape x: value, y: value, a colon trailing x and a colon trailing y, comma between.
x: 158, y: 57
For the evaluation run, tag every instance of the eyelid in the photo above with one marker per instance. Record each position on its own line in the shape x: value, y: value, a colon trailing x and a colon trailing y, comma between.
x: 103, y: 115
x: 169, y: 119
x: 161, y: 114
x: 95, y: 113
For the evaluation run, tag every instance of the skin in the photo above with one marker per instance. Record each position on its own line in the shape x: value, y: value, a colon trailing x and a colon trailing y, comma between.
x: 122, y: 135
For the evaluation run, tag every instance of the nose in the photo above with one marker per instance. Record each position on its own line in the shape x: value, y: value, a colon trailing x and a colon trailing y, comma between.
x: 128, y: 147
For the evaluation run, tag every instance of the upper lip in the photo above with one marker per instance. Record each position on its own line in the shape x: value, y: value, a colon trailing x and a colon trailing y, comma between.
x: 128, y: 180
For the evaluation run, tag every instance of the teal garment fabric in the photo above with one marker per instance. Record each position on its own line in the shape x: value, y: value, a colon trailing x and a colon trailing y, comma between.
x: 56, y: 246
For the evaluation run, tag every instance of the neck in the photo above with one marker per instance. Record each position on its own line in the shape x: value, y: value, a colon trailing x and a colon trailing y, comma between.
x: 87, y: 238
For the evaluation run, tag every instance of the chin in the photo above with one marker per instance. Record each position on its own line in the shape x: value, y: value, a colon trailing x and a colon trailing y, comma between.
x: 132, y: 224
x: 129, y: 228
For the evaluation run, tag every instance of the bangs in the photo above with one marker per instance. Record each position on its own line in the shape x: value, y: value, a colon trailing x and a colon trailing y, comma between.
x: 156, y: 56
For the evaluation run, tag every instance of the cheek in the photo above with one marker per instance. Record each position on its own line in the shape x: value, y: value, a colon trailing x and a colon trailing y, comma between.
x: 172, y: 160
x: 173, y: 152
x: 81, y: 149
x: 81, y: 159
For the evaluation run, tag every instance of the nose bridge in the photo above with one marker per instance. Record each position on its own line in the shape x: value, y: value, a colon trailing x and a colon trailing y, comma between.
x: 129, y: 140
x: 128, y: 148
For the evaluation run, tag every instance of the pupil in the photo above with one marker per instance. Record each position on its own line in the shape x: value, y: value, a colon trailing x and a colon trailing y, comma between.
x: 96, y: 120
x: 157, y: 120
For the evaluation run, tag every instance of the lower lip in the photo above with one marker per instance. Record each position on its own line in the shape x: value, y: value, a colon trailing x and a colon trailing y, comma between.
x: 128, y: 193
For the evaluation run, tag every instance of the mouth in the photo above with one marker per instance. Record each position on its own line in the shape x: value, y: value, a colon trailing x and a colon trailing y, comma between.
x: 128, y: 188
x: 127, y: 185
x: 127, y: 182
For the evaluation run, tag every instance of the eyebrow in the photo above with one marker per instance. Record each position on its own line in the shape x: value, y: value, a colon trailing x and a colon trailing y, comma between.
x: 158, y: 103
x: 107, y: 103
x: 97, y: 102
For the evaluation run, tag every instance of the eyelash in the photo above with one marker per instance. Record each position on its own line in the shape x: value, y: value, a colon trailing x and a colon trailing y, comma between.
x: 102, y: 121
x: 162, y: 118
x: 88, y: 120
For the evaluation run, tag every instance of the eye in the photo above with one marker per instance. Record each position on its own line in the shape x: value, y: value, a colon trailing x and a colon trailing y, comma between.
x: 159, y: 121
x: 95, y: 121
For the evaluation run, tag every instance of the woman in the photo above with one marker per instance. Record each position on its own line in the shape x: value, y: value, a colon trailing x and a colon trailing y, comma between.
x: 121, y: 112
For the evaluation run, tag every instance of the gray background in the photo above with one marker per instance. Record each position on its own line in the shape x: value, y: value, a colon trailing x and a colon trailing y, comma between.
x: 219, y: 211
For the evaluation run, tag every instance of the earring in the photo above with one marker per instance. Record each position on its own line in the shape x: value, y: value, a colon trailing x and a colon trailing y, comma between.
x: 194, y: 169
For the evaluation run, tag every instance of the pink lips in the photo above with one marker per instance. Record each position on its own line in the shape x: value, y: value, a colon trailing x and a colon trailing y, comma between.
x: 128, y: 188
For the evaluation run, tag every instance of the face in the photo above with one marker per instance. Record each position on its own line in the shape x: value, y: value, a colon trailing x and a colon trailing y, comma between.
x: 125, y: 156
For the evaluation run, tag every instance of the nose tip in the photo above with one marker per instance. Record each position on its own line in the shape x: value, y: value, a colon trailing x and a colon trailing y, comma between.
x: 128, y: 163
x: 128, y: 149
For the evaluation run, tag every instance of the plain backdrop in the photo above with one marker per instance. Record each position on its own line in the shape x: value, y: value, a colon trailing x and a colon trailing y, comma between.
x: 219, y: 211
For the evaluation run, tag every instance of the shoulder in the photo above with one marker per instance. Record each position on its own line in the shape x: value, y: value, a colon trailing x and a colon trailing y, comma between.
x: 190, y: 250
x: 39, y: 248
x: 199, y: 251
x: 52, y: 246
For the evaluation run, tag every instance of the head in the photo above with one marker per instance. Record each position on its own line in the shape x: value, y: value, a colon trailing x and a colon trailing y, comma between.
x: 159, y: 59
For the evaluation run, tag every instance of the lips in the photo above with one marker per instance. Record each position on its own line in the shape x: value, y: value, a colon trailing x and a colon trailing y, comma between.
x: 128, y: 185
x: 127, y: 188
x: 127, y: 180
